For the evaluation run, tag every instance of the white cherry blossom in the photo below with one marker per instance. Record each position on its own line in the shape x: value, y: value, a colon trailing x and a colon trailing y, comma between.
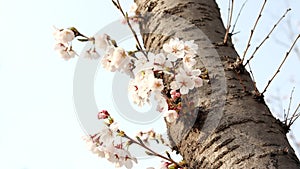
x: 182, y: 82
x: 161, y: 62
x: 119, y: 55
x: 143, y: 81
x: 157, y: 85
x: 194, y: 75
x: 93, y: 146
x: 175, y: 47
x: 198, y: 81
x: 143, y: 63
x: 101, y: 41
x: 171, y: 116
x: 162, y: 104
x: 63, y: 35
x: 106, y: 60
x: 188, y: 60
x: 190, y: 47
x: 116, y: 59
x: 91, y: 54
x: 107, y: 134
x: 119, y: 156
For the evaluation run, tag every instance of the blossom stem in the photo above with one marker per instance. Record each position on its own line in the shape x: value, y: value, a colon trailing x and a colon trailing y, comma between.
x: 132, y: 30
x: 151, y: 151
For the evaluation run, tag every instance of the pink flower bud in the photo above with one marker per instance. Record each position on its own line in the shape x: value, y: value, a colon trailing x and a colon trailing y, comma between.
x: 177, y: 95
x: 173, y: 92
x: 103, y: 114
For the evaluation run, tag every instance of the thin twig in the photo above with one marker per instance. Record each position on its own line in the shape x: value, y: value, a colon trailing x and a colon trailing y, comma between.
x: 267, y: 37
x: 131, y: 28
x: 230, y: 12
x: 237, y: 18
x: 294, y: 116
x: 290, y: 36
x: 252, y: 30
x: 253, y: 79
x: 286, y: 116
x: 278, y: 70
x: 153, y: 152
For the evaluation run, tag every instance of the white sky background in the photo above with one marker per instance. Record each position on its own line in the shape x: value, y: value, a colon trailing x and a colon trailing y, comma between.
x: 38, y: 124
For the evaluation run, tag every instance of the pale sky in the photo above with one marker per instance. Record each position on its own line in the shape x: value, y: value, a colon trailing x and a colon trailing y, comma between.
x: 38, y: 122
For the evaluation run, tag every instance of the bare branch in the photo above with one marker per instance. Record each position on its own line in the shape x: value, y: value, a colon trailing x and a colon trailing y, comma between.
x: 291, y: 34
x: 238, y: 16
x: 268, y: 36
x: 294, y: 117
x: 253, y: 79
x: 289, y: 108
x: 253, y: 29
x: 278, y: 70
x: 251, y: 73
x: 125, y: 15
x: 230, y: 12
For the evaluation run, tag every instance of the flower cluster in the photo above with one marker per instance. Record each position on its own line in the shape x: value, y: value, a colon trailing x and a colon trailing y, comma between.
x: 146, y: 69
x: 146, y: 136
x: 106, y: 145
x: 149, y: 72
x: 64, y: 38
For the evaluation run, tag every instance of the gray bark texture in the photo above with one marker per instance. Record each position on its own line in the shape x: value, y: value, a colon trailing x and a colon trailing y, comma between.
x: 222, y: 124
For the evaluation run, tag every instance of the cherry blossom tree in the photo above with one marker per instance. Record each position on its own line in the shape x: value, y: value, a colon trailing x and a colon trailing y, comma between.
x: 215, y: 115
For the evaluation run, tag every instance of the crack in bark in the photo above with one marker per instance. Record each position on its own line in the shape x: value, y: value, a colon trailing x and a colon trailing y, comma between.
x: 224, y: 143
x: 237, y: 122
x: 224, y: 153
x: 243, y: 158
x: 270, y: 145
x: 211, y: 142
x: 202, y: 160
x: 218, y: 165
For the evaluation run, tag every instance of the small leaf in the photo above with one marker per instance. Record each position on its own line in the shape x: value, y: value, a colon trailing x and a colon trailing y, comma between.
x: 149, y: 153
x: 121, y: 133
x: 172, y: 167
x: 83, y: 40
x: 168, y: 154
x: 139, y: 139
x: 130, y: 53
x: 110, y: 120
x: 114, y: 43
x: 75, y: 31
x: 182, y: 163
x: 128, y: 143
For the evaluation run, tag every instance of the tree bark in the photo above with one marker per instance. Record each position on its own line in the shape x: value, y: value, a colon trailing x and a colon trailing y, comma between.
x: 222, y: 124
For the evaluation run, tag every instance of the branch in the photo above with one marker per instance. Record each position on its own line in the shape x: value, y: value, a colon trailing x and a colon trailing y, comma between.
x: 290, y: 36
x: 253, y: 29
x: 151, y: 151
x: 237, y: 18
x: 267, y: 37
x: 294, y: 117
x: 230, y: 11
x: 278, y: 70
x: 289, y: 108
x: 253, y: 79
x: 125, y: 15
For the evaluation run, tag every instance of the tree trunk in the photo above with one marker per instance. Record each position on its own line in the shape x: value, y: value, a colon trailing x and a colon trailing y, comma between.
x: 222, y: 124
